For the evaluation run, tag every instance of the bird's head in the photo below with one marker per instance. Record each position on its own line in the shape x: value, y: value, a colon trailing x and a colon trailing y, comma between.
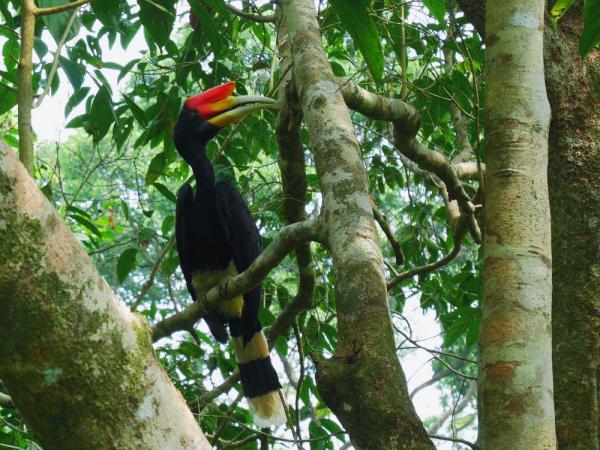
x: 205, y: 114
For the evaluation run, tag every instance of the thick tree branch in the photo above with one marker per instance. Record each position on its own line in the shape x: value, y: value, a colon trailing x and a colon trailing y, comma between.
x: 69, y: 348
x: 406, y: 122
x: 365, y: 349
x: 285, y: 241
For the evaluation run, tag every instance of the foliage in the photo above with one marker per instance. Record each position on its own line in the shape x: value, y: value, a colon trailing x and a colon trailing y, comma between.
x: 114, y: 180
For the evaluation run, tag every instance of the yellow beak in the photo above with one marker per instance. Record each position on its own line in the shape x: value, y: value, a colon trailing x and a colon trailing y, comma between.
x: 233, y: 109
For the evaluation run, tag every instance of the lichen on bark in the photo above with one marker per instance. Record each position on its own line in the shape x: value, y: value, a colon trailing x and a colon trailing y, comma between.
x: 78, y: 366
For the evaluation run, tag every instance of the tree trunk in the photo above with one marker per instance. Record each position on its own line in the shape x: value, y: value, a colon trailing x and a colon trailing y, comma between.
x: 363, y: 383
x: 517, y: 410
x: 77, y: 364
x: 574, y: 174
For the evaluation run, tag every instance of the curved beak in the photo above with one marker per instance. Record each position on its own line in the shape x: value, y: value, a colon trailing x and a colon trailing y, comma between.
x: 234, y: 108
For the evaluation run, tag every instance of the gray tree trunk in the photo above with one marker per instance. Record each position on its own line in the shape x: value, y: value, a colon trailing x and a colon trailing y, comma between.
x: 515, y: 372
x: 79, y: 367
x: 363, y: 383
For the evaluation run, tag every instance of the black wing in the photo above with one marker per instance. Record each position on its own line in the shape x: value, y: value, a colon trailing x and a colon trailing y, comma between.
x: 244, y: 243
x: 184, y: 230
x: 185, y: 203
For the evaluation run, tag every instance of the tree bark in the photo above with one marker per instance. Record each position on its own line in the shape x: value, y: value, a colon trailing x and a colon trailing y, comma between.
x: 78, y: 366
x: 363, y: 383
x: 517, y: 409
x: 574, y: 174
x: 573, y: 168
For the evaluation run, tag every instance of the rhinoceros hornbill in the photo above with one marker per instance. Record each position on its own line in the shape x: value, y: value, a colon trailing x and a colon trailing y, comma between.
x: 217, y: 238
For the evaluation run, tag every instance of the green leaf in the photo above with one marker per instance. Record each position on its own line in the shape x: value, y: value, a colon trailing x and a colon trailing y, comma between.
x: 8, y: 99
x: 156, y: 168
x: 437, y: 8
x: 158, y: 17
x: 107, y: 12
x: 208, y: 25
x: 126, y: 263
x: 101, y: 115
x: 86, y: 223
x: 560, y: 8
x: 165, y: 192
x: 356, y: 19
x: 56, y: 23
x: 76, y: 99
x: 591, y: 27
x: 75, y: 72
x: 137, y: 112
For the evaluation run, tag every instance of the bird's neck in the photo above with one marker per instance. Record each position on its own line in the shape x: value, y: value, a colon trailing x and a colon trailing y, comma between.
x: 204, y: 173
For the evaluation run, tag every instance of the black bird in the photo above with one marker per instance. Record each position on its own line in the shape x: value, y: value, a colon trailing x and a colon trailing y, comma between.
x: 217, y: 237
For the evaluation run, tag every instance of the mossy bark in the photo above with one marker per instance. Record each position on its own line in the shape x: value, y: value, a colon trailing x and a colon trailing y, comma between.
x: 363, y: 383
x: 79, y: 367
x: 515, y: 375
x: 574, y: 178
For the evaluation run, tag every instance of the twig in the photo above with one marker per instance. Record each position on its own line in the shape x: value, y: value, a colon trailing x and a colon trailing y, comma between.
x: 300, y: 378
x: 24, y: 83
x: 460, y: 441
x: 250, y: 16
x: 52, y: 72
x: 385, y: 227
x: 148, y: 284
x: 459, y: 235
x: 458, y: 407
x: 227, y: 419
x: 60, y: 8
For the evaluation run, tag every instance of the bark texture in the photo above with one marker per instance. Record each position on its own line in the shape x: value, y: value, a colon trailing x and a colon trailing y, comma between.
x: 363, y: 382
x: 517, y: 409
x: 76, y: 363
x: 574, y: 177
x: 573, y: 168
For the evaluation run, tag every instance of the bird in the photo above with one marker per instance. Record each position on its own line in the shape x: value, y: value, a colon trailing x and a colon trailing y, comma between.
x: 217, y: 238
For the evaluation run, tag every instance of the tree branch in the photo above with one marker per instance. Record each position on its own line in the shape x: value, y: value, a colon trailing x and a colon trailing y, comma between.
x: 60, y: 8
x: 285, y: 241
x: 55, y: 61
x: 455, y: 409
x: 385, y: 227
x: 460, y: 441
x: 406, y: 122
x: 24, y: 84
x: 250, y: 16
x: 459, y: 235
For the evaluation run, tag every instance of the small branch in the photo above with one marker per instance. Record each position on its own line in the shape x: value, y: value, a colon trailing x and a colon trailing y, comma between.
x: 54, y: 66
x: 434, y: 379
x: 456, y: 409
x: 285, y: 241
x: 250, y: 16
x: 60, y: 8
x: 222, y: 443
x: 460, y: 441
x: 148, y: 284
x: 385, y: 227
x: 300, y: 378
x: 459, y: 235
x: 24, y: 83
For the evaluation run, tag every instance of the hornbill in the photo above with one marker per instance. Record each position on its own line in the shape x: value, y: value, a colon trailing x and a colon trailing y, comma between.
x: 217, y: 238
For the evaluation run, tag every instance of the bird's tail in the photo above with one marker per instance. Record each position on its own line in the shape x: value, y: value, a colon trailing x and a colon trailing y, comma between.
x: 259, y: 379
